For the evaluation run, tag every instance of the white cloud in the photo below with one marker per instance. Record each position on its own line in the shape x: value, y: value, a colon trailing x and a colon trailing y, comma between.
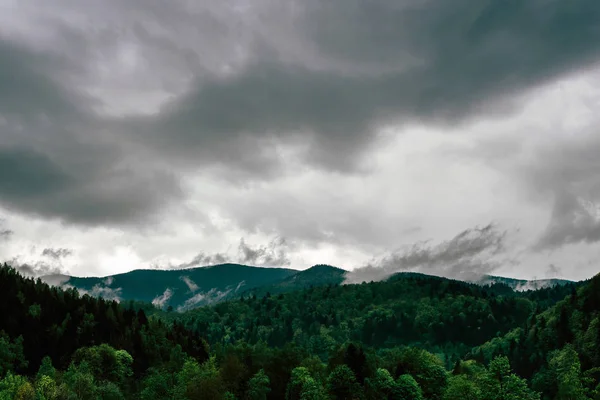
x: 161, y: 300
x: 190, y: 283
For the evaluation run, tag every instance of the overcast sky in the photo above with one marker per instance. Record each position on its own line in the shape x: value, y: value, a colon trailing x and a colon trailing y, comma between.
x: 382, y: 134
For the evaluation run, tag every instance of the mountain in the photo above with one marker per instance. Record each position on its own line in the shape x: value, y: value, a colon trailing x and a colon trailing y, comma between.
x: 39, y: 320
x: 318, y: 275
x: 188, y: 288
x: 181, y: 289
x: 566, y: 335
x: 415, y: 335
x: 521, y: 284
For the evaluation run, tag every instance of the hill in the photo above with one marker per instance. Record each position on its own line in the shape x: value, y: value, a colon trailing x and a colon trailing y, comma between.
x: 185, y: 289
x: 318, y: 275
x: 39, y: 320
x: 569, y: 329
x: 181, y: 289
x: 521, y: 284
x: 412, y: 336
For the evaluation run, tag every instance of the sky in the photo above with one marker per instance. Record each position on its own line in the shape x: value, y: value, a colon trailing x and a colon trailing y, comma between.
x: 454, y: 138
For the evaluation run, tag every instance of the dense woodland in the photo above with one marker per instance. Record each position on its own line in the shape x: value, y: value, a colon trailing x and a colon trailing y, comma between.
x: 411, y: 337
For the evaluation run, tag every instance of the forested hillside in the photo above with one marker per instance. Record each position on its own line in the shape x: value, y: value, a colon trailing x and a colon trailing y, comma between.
x: 180, y: 289
x: 412, y: 337
x: 185, y: 289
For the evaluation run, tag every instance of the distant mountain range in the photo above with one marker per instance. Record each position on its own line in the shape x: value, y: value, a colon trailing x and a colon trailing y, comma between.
x: 185, y: 289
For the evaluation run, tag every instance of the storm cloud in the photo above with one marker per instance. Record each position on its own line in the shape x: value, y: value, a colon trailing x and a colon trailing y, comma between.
x: 469, y: 255
x: 286, y: 118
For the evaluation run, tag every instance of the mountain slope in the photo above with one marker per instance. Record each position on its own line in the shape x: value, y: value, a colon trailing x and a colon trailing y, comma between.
x: 188, y: 288
x: 318, y: 275
x: 180, y: 289
x: 521, y: 284
x: 574, y: 320
x: 411, y: 309
x: 56, y: 323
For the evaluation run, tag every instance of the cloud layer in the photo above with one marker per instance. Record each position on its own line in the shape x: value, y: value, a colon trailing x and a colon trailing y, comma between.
x: 157, y: 129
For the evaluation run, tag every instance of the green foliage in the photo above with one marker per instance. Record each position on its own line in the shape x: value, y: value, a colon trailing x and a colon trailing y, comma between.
x: 501, y: 384
x: 303, y: 386
x: 258, y: 386
x: 156, y: 386
x: 46, y: 369
x: 462, y: 388
x: 11, y: 354
x: 16, y: 387
x: 403, y: 339
x: 566, y: 369
x: 342, y: 384
x: 45, y: 388
x: 199, y: 381
x: 407, y: 388
x: 381, y: 385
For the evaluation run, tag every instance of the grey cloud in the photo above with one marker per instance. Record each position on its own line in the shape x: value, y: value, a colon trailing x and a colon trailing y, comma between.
x: 469, y: 255
x: 105, y: 292
x: 57, y: 159
x: 200, y: 260
x: 272, y: 255
x: 374, y: 63
x: 160, y: 301
x: 5, y: 233
x: 190, y: 283
x: 35, y: 269
x: 57, y: 254
x: 209, y: 297
x: 553, y: 271
x: 568, y: 171
x: 573, y: 220
x: 319, y: 77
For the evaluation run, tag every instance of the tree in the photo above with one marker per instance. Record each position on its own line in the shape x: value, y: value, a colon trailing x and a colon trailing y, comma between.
x: 109, y: 391
x: 46, y: 369
x: 501, y: 384
x: 80, y: 381
x: 11, y: 354
x: 196, y: 381
x: 407, y: 388
x: 258, y: 386
x: 45, y: 388
x: 156, y: 387
x: 381, y: 385
x: 356, y: 360
x: 566, y: 368
x: 342, y: 384
x: 16, y: 387
x: 461, y: 388
x: 302, y: 386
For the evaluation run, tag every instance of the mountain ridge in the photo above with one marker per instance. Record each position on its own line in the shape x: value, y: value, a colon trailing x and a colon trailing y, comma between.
x: 186, y: 288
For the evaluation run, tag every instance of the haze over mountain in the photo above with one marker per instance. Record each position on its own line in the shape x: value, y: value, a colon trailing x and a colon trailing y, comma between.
x: 185, y: 289
x: 136, y: 134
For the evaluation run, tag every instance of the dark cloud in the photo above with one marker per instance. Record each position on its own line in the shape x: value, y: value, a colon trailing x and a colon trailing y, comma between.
x: 5, y: 233
x: 275, y: 254
x: 35, y: 269
x: 319, y: 77
x: 57, y: 254
x: 202, y: 259
x: 372, y: 63
x: 58, y: 160
x: 469, y: 255
x: 573, y: 220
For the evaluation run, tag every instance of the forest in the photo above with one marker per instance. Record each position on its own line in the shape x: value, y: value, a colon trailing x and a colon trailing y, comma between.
x: 410, y: 337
